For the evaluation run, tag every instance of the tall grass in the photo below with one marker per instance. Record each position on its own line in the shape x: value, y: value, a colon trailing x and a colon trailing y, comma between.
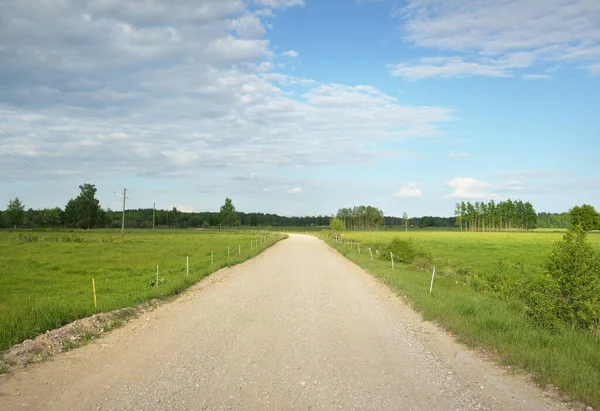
x: 568, y: 359
x: 46, y: 277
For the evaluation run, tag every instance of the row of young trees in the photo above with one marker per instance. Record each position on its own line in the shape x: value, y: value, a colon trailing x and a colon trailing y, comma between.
x: 492, y: 216
x: 361, y: 217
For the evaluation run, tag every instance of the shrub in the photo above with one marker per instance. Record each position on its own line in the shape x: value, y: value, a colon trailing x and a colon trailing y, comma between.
x: 570, y: 292
x: 404, y: 251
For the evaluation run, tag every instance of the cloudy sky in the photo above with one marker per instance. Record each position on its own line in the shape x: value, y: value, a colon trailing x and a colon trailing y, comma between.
x: 301, y: 106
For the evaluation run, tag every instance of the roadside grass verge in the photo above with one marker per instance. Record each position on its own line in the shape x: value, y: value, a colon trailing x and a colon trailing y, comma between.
x: 568, y: 359
x: 46, y: 277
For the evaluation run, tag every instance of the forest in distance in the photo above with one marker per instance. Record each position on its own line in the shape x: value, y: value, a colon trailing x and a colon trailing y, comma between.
x: 85, y: 211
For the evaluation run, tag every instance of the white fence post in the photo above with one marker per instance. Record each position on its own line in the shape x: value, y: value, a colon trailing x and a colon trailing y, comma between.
x: 358, y: 248
x: 432, y: 276
x: 371, y: 252
x: 392, y: 255
x: 187, y: 265
x: 156, y: 285
x: 239, y: 249
x: 212, y: 259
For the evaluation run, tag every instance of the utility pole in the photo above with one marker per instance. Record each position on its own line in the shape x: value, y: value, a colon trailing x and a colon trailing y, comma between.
x: 153, y: 212
x: 123, y: 222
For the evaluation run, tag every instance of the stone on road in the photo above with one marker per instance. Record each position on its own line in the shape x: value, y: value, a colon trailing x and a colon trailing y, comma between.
x: 298, y: 327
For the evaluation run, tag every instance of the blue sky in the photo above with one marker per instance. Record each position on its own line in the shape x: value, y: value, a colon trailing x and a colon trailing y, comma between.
x: 301, y: 106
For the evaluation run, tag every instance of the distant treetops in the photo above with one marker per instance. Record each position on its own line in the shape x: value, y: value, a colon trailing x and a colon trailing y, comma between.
x: 84, y: 211
x: 492, y: 216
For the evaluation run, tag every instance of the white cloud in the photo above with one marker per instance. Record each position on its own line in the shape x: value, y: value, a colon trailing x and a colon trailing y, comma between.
x: 594, y: 69
x: 162, y: 94
x: 536, y: 76
x: 410, y: 190
x: 279, y: 4
x: 453, y: 154
x: 291, y: 53
x: 465, y: 187
x: 232, y: 49
x: 484, y: 37
x: 248, y: 27
x: 581, y: 52
x: 295, y: 190
x: 448, y: 67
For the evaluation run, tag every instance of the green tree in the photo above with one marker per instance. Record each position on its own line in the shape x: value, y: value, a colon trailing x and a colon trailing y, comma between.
x: 71, y: 213
x: 530, y: 216
x: 194, y: 221
x: 570, y: 293
x: 458, y: 215
x: 228, y: 216
x: 84, y: 211
x: 586, y: 216
x: 15, y: 213
x: 51, y: 217
x: 336, y: 225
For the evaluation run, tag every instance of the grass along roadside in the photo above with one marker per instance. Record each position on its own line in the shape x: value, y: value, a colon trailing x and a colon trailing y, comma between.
x: 46, y: 277
x: 568, y: 359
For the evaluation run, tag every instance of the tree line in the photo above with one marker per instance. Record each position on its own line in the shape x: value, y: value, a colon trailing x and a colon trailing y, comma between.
x: 492, y: 216
x: 85, y: 211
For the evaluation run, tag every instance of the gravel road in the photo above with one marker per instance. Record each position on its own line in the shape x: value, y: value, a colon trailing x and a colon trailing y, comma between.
x: 298, y: 327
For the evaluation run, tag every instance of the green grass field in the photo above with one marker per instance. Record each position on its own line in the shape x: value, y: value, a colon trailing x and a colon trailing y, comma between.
x: 478, y: 252
x: 46, y: 277
x: 494, y: 322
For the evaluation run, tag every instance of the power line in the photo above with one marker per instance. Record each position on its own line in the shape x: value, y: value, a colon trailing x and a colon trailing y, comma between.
x: 21, y: 159
x: 40, y: 154
x: 25, y: 160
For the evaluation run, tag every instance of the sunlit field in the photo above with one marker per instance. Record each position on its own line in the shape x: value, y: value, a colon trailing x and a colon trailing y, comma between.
x: 476, y: 251
x: 46, y: 277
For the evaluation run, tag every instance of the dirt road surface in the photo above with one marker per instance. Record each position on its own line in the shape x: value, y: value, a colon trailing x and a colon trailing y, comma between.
x: 297, y: 328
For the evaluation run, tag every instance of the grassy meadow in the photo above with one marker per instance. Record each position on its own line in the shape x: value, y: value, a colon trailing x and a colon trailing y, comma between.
x: 46, y: 277
x: 477, y: 252
x: 492, y: 320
